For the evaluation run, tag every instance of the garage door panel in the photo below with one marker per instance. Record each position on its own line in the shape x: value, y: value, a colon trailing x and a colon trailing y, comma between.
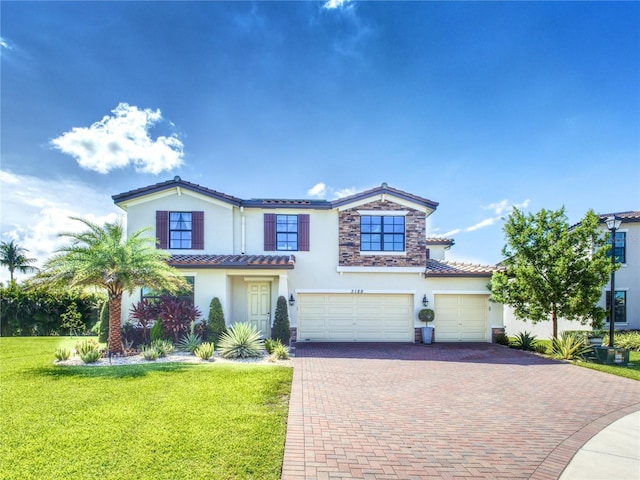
x: 461, y: 318
x: 355, y: 317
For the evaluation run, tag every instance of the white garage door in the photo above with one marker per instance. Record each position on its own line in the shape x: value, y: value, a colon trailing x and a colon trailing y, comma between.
x: 341, y: 317
x: 461, y: 318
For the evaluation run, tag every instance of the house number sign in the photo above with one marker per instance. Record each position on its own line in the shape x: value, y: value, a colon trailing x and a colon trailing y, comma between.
x: 357, y: 291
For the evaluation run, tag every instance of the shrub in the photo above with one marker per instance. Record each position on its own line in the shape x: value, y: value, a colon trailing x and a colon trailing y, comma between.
x: 176, y: 316
x: 190, y: 341
x: 150, y: 353
x: 91, y: 356
x: 204, y: 351
x: 216, y: 324
x: 502, y: 339
x: 71, y: 319
x: 540, y: 348
x: 525, y: 341
x: 143, y: 313
x: 87, y: 345
x: 569, y: 347
x: 630, y: 340
x: 280, y: 352
x: 157, y: 332
x: 269, y: 343
x: 164, y: 347
x: 281, y: 328
x: 241, y: 341
x: 62, y: 354
x: 426, y: 315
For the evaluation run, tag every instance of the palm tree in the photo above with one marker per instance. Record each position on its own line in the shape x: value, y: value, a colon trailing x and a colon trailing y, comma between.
x: 104, y: 257
x: 13, y: 257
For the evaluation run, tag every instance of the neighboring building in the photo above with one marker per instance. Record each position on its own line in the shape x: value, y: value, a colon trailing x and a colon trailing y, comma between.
x: 354, y: 269
x: 627, y: 284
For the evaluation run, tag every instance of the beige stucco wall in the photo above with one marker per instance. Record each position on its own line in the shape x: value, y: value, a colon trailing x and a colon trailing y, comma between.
x: 218, y: 219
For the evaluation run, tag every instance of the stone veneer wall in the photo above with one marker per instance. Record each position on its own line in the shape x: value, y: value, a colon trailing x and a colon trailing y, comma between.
x: 349, y: 239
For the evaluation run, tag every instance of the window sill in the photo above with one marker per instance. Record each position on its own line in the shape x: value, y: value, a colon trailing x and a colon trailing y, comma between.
x: 383, y: 254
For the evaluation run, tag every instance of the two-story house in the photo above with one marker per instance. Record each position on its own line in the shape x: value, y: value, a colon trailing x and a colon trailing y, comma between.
x: 354, y: 269
x: 627, y: 276
x: 627, y: 284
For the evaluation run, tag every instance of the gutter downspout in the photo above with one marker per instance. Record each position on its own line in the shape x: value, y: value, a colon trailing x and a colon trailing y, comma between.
x: 243, y: 236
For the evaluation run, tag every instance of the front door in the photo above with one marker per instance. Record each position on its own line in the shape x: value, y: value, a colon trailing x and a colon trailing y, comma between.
x: 259, y: 306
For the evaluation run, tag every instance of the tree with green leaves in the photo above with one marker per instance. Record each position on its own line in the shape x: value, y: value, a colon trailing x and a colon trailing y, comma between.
x: 281, y: 327
x: 216, y: 324
x: 104, y: 257
x: 552, y: 269
x: 14, y: 257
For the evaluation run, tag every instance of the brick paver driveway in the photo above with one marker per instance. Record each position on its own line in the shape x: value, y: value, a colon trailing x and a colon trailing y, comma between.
x: 390, y: 411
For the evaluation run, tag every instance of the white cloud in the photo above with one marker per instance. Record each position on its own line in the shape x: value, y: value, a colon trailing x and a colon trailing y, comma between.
x: 35, y: 211
x: 449, y: 233
x: 499, y: 208
x: 121, y: 140
x: 319, y: 190
x: 333, y: 4
x: 504, y: 206
x: 345, y: 192
x: 487, y: 222
x: 4, y: 43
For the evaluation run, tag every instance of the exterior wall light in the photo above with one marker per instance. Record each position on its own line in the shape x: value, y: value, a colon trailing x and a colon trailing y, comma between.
x: 425, y: 300
x: 291, y: 300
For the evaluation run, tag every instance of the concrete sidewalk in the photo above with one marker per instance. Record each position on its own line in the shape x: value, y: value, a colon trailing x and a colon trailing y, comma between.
x: 614, y: 453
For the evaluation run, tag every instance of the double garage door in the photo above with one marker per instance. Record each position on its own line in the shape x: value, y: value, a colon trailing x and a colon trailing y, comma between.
x: 461, y: 318
x: 342, y: 317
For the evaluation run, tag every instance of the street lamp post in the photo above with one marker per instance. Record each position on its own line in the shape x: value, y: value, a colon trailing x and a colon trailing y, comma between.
x: 613, y: 224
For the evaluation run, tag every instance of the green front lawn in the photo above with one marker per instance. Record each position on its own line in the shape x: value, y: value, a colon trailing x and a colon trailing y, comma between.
x: 631, y: 371
x: 150, y: 421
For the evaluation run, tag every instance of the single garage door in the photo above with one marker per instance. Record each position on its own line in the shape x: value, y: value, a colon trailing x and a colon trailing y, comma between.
x: 461, y: 318
x: 341, y: 317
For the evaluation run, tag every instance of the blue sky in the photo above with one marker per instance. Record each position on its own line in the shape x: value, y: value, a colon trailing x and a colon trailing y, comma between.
x: 479, y: 106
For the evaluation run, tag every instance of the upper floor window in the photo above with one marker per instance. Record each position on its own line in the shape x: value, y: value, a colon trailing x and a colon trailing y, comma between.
x: 286, y: 232
x: 620, y: 306
x: 180, y: 229
x: 621, y: 244
x: 382, y: 233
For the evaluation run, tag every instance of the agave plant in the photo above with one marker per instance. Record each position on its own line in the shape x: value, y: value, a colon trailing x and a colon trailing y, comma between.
x: 570, y: 347
x: 242, y: 340
x: 280, y: 352
x: 62, y: 354
x: 204, y: 351
x: 190, y: 341
x: 525, y: 341
x: 150, y: 353
x: 164, y: 347
x: 91, y: 356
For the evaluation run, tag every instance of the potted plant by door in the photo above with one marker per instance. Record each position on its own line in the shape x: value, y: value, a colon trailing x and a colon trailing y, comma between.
x: 426, y: 315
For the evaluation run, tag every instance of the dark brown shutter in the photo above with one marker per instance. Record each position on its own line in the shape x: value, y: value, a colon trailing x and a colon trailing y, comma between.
x: 303, y: 232
x: 162, y: 228
x: 269, y: 232
x: 197, y: 239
